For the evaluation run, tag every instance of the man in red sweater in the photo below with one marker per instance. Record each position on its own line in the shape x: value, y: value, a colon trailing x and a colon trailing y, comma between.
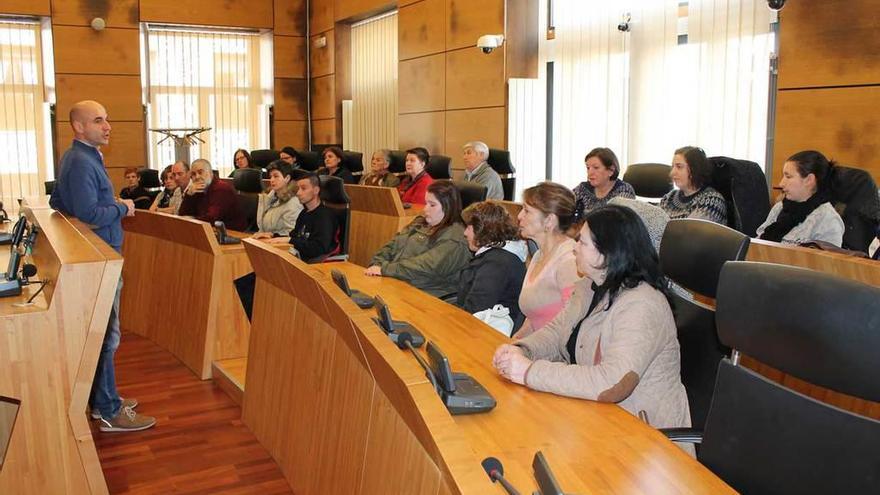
x: 210, y: 200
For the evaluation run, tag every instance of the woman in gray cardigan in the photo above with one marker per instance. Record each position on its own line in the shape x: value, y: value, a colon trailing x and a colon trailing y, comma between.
x: 278, y: 210
x: 618, y: 345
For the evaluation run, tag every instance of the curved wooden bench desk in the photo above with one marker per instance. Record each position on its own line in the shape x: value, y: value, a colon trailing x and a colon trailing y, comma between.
x: 343, y: 410
x: 377, y: 214
x: 177, y: 289
x: 48, y: 355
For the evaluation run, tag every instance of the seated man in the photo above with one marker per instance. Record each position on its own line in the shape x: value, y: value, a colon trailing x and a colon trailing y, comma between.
x: 210, y: 200
x: 314, y: 234
x: 180, y: 174
x: 134, y: 191
x: 478, y: 170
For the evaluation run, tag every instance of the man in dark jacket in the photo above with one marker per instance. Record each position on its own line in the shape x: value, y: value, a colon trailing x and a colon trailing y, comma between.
x: 314, y: 234
x: 210, y: 200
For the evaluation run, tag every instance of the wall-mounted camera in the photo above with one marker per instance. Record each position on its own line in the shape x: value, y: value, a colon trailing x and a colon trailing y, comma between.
x: 775, y: 4
x: 489, y: 42
x: 623, y: 27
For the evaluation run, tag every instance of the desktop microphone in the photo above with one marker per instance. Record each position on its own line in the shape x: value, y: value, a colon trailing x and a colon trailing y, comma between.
x: 222, y: 236
x: 28, y: 270
x: 495, y: 470
x: 404, y: 341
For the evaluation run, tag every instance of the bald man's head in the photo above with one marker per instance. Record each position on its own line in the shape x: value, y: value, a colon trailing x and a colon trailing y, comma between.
x: 89, y: 122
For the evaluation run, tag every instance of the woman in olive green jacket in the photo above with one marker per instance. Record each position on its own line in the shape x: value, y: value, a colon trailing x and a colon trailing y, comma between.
x: 430, y: 252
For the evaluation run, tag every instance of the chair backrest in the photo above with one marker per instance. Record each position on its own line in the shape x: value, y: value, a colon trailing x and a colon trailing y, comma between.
x: 248, y: 204
x: 692, y: 253
x: 744, y: 187
x: 310, y: 160
x: 149, y: 178
x: 262, y: 158
x: 762, y: 437
x: 249, y: 180
x: 49, y: 185
x: 334, y: 197
x: 398, y: 162
x: 439, y: 167
x: 854, y: 195
x: 470, y: 192
x: 649, y: 180
x: 353, y: 161
x: 500, y: 162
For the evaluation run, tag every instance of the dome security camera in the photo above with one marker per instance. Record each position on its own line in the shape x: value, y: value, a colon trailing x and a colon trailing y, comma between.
x: 489, y: 42
x: 775, y: 4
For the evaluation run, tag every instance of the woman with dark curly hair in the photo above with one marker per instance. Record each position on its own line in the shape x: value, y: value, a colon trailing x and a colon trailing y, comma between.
x: 495, y: 274
x: 695, y: 197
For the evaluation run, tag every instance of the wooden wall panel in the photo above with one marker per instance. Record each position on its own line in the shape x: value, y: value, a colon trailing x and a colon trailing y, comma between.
x: 423, y: 129
x: 126, y: 148
x: 355, y: 10
x: 425, y: 88
x: 237, y: 13
x: 829, y: 43
x: 290, y: 133
x: 290, y: 17
x: 289, y: 56
x: 475, y: 79
x: 118, y: 13
x: 465, y: 23
x: 323, y: 98
x: 324, y: 132
x: 843, y: 123
x: 290, y: 99
x: 120, y: 95
x: 323, y: 59
x: 321, y: 16
x: 75, y: 49
x: 483, y: 124
x: 419, y: 32
x: 25, y: 7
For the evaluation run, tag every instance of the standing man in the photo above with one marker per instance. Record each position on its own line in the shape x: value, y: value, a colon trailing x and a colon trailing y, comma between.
x: 477, y: 169
x: 83, y: 190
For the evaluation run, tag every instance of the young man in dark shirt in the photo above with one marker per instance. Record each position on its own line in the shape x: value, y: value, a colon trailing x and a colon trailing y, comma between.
x: 314, y: 234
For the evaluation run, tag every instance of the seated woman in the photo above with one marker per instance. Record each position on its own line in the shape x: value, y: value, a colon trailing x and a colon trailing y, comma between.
x: 278, y: 210
x: 694, y: 198
x: 430, y: 252
x: 495, y: 274
x: 413, y: 187
x: 379, y: 175
x: 162, y: 203
x: 548, y: 213
x: 289, y: 155
x: 602, y: 183
x: 805, y: 212
x: 241, y: 159
x: 615, y: 342
x: 134, y: 191
x: 333, y: 165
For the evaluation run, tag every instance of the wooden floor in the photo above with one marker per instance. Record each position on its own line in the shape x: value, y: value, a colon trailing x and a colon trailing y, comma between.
x: 199, y: 446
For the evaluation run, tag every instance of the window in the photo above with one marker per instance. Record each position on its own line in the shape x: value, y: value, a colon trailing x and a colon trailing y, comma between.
x: 25, y: 136
x: 205, y: 78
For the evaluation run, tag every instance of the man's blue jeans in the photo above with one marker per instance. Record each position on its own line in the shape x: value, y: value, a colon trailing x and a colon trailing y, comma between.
x: 104, y: 398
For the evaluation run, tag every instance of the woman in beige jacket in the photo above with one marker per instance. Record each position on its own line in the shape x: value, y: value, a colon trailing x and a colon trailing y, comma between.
x: 278, y: 210
x: 615, y: 343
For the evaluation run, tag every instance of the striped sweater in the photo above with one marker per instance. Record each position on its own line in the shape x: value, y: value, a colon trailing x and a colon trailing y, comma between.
x: 705, y: 204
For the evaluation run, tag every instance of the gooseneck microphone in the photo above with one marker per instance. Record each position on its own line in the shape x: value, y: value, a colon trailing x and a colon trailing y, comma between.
x: 222, y: 236
x: 404, y: 341
x: 495, y: 470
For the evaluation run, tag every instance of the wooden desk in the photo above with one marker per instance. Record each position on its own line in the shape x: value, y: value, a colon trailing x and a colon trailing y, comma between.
x: 35, y: 202
x: 376, y: 215
x: 342, y: 410
x: 178, y: 289
x: 48, y: 356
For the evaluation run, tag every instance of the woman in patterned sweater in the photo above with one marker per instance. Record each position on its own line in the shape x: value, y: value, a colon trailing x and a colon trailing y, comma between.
x: 694, y: 198
x: 602, y: 183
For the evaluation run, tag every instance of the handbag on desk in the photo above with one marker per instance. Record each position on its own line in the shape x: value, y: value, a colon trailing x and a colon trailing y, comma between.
x: 497, y: 317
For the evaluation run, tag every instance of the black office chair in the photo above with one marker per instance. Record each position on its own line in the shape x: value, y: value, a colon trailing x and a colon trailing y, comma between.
x: 49, y: 186
x: 439, y: 167
x: 248, y: 180
x: 470, y: 192
x: 398, y: 162
x: 649, y: 180
x: 319, y: 148
x: 310, y: 160
x: 744, y: 187
x: 248, y: 204
x: 854, y: 196
x: 500, y: 162
x: 354, y: 162
x: 149, y: 179
x: 334, y: 197
x: 692, y: 253
x: 763, y: 437
x: 262, y: 158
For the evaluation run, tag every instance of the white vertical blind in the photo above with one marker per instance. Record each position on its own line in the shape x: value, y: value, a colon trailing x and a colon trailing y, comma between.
x: 208, y: 79
x: 25, y: 137
x: 374, y: 85
x: 526, y: 131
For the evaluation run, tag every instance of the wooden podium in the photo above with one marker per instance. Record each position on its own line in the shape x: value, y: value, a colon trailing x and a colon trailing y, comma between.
x: 48, y: 355
x: 376, y: 215
x: 343, y: 410
x: 178, y: 289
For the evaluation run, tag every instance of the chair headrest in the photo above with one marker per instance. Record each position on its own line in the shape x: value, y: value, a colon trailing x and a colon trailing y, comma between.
x: 310, y: 160
x: 398, y: 162
x: 692, y: 253
x: 650, y: 180
x: 470, y: 192
x: 262, y: 158
x: 149, y: 178
x: 815, y: 326
x: 353, y: 161
x: 248, y: 180
x: 500, y: 162
x: 439, y: 167
x: 333, y: 190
